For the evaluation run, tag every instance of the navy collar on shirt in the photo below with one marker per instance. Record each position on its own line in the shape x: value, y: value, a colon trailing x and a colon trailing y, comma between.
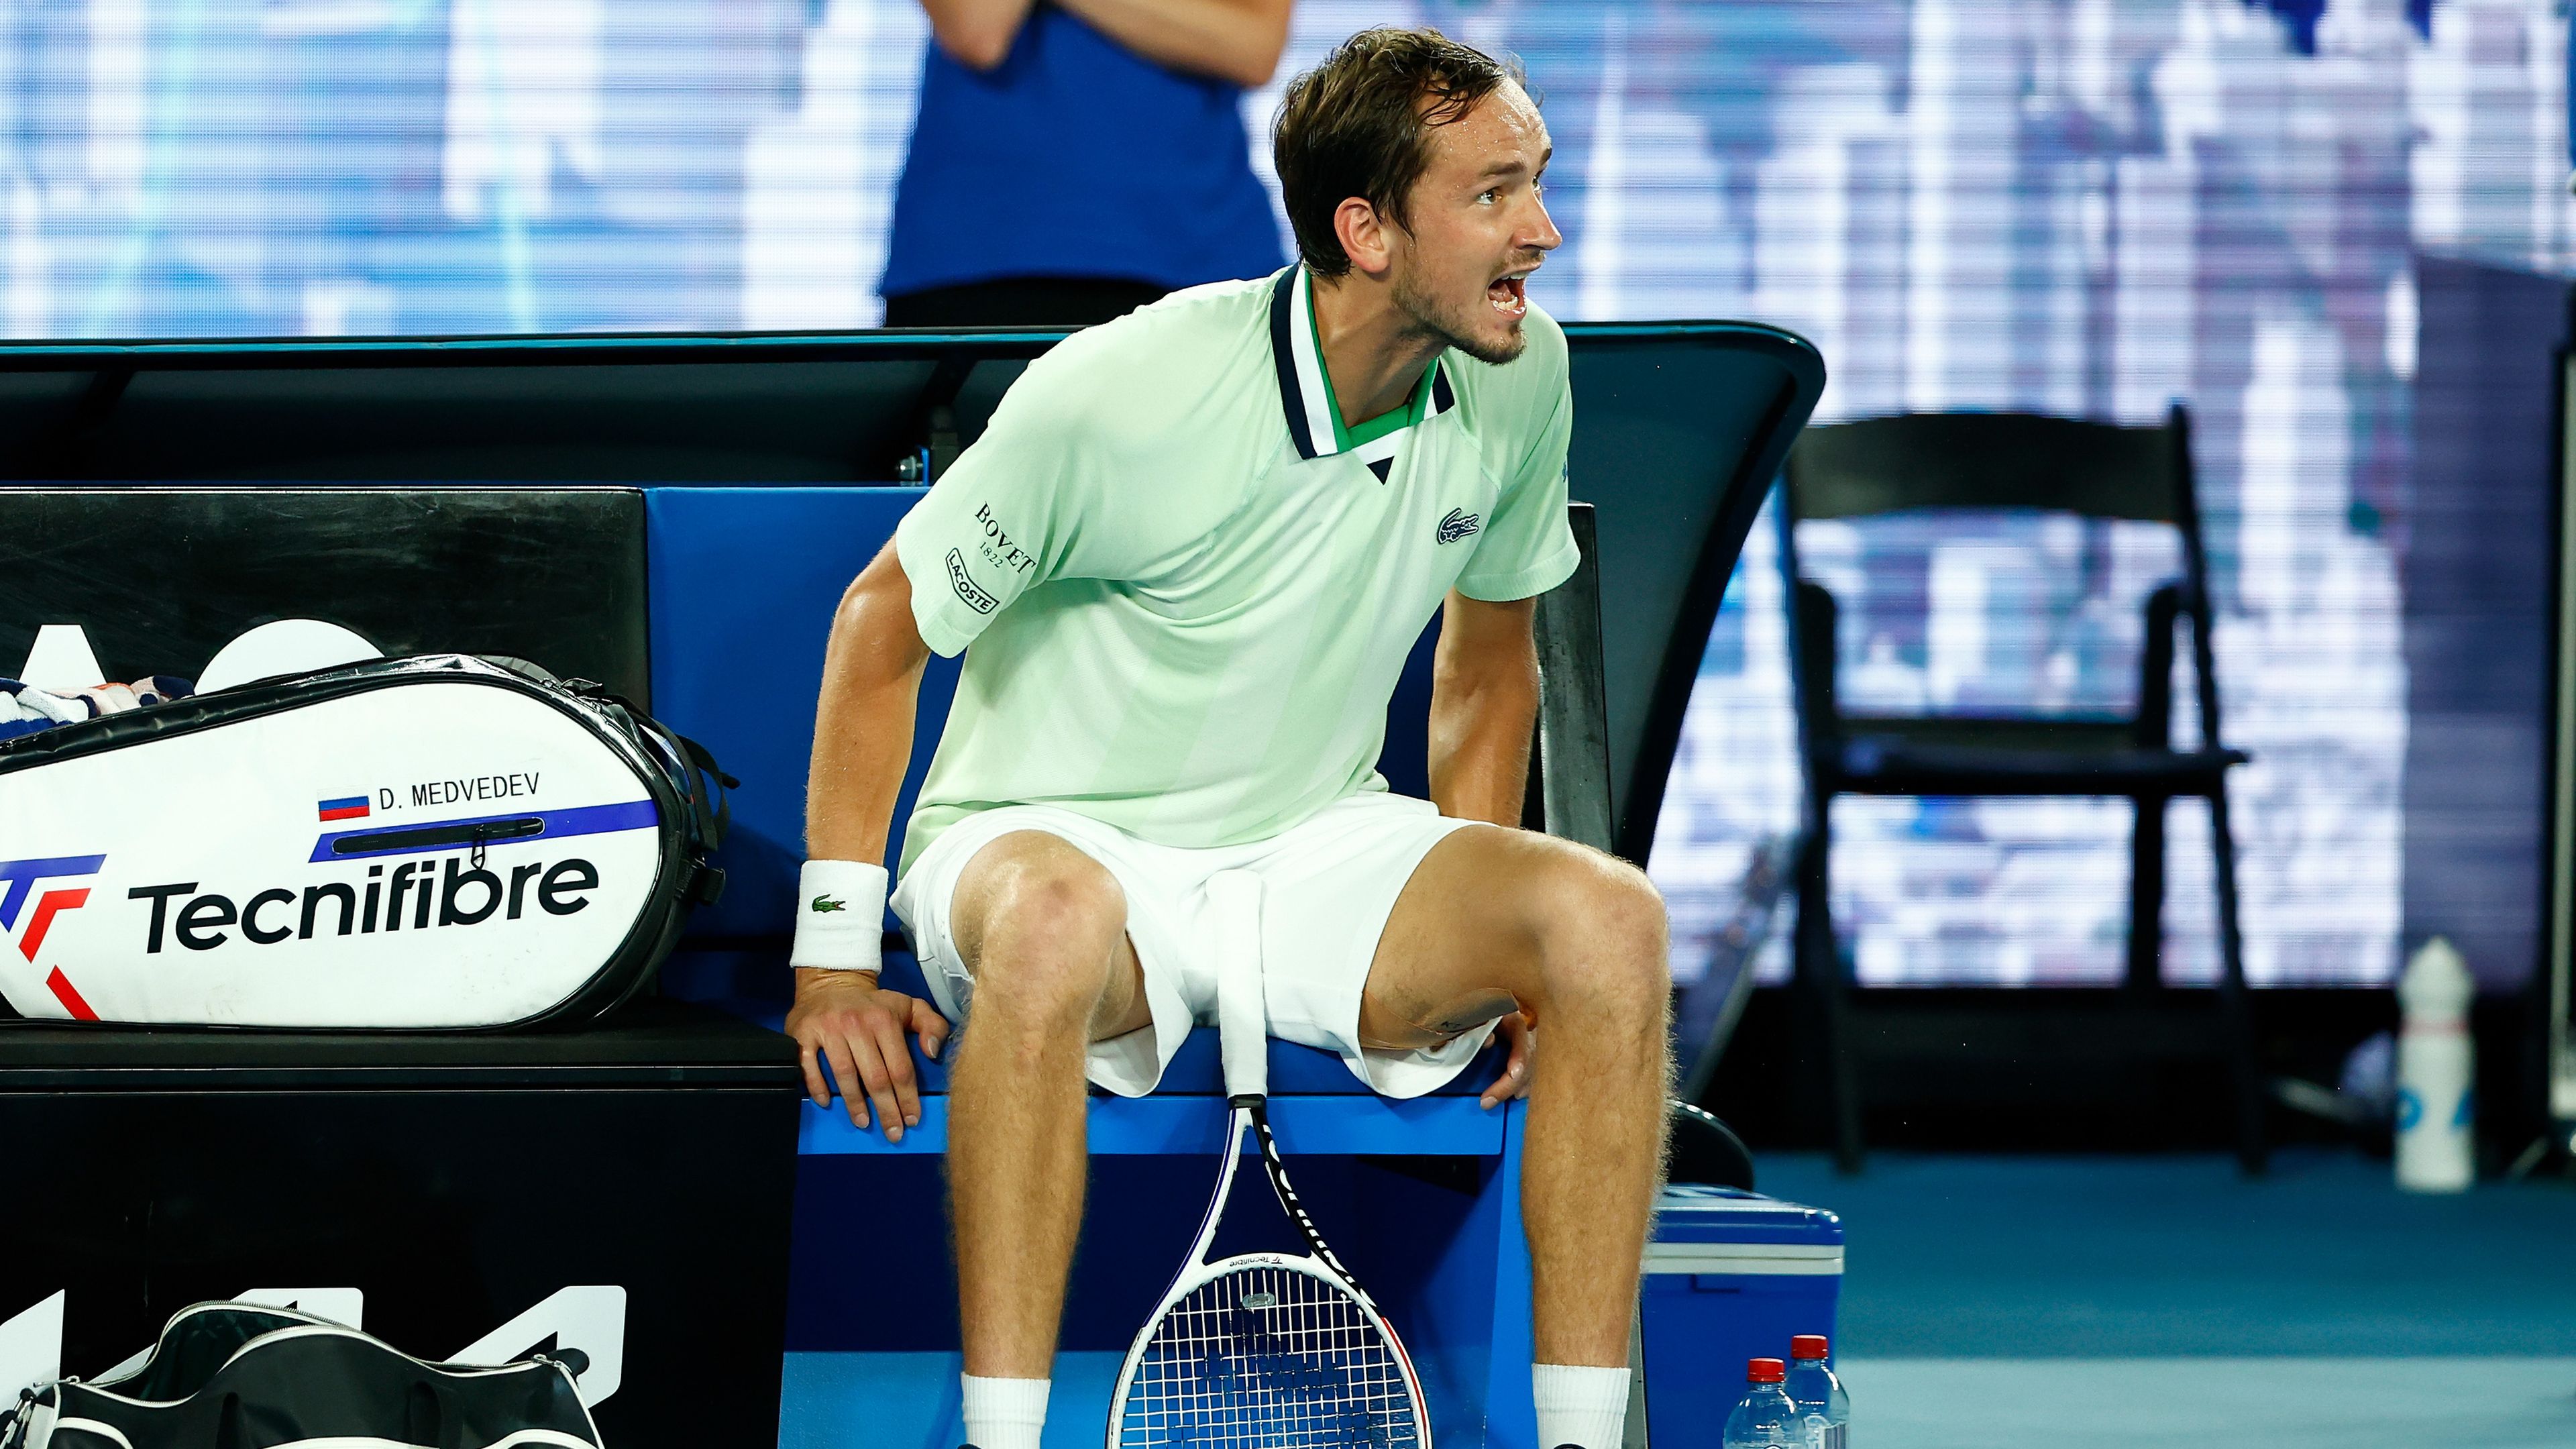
x: 1303, y: 393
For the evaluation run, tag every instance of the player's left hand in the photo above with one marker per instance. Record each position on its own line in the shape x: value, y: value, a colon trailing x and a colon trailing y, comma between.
x: 1519, y: 1039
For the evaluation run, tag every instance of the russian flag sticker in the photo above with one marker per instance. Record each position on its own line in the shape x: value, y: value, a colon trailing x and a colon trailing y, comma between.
x: 352, y: 808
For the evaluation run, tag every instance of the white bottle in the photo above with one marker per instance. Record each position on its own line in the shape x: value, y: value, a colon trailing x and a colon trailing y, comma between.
x: 2436, y: 1065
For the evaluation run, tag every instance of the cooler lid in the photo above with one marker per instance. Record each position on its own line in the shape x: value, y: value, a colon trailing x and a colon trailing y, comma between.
x: 1692, y: 1213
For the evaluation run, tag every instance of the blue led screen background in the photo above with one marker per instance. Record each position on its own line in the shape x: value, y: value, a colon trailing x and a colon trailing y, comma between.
x: 2084, y: 207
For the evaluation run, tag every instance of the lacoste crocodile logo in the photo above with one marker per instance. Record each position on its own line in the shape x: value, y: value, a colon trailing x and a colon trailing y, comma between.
x: 1458, y: 525
x: 829, y: 903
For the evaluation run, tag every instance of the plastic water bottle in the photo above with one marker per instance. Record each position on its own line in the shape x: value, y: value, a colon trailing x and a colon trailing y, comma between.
x: 1765, y: 1418
x: 2436, y: 1063
x: 1824, y: 1410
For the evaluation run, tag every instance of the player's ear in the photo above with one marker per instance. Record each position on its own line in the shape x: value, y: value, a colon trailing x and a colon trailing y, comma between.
x: 1367, y: 238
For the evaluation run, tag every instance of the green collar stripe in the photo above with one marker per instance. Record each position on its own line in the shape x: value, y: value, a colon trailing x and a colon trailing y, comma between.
x: 1347, y: 436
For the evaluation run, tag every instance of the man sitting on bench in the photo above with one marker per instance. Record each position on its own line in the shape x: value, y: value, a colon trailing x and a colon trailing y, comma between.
x: 1192, y: 552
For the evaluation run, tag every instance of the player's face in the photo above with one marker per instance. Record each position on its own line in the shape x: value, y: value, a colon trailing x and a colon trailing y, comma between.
x: 1477, y: 228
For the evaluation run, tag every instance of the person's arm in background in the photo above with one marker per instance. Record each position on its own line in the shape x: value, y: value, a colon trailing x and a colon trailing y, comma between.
x: 977, y: 34
x: 862, y: 741
x: 1233, y: 40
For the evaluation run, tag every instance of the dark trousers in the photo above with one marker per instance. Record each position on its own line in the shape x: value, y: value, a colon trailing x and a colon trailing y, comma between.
x: 1021, y: 302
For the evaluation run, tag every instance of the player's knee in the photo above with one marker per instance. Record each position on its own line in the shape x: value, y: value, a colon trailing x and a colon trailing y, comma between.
x: 1045, y: 924
x: 1603, y: 939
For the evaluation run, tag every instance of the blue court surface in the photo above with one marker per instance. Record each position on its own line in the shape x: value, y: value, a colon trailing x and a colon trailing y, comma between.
x: 2121, y: 1303
x: 827, y: 1393
x: 2105, y: 1303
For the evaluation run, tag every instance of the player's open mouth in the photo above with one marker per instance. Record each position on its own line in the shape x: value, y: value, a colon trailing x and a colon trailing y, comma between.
x: 1508, y: 294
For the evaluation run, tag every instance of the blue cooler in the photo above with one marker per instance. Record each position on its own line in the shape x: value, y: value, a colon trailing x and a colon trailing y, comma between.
x: 1730, y: 1276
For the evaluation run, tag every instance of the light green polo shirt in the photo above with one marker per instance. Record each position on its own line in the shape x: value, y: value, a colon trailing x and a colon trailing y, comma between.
x: 1187, y: 589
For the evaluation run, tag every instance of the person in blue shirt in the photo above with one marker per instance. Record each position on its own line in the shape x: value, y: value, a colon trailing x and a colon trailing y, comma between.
x: 1075, y: 159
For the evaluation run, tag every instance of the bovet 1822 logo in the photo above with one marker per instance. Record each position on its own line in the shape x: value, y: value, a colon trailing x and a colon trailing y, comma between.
x: 1459, y: 524
x: 998, y: 547
x: 28, y: 914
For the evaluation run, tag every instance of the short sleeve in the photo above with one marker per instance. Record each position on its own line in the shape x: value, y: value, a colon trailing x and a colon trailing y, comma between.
x: 1032, y: 500
x: 1528, y: 548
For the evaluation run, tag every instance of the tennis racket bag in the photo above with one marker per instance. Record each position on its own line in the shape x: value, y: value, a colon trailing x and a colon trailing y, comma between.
x: 252, y: 1377
x: 441, y: 842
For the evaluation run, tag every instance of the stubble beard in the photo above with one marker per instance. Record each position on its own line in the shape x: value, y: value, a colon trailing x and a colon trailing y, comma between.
x: 1430, y: 319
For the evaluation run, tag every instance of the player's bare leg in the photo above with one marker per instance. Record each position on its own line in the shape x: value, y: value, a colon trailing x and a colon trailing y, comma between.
x: 1042, y: 928
x: 1495, y: 919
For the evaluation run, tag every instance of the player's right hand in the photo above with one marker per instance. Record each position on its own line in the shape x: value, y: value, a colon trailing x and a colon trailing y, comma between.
x: 845, y: 1019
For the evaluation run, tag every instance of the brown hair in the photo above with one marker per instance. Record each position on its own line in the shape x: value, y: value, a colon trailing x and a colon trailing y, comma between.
x: 1360, y: 125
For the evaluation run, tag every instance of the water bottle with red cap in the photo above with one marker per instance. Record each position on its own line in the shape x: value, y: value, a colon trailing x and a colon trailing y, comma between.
x: 1824, y: 1410
x: 1765, y: 1418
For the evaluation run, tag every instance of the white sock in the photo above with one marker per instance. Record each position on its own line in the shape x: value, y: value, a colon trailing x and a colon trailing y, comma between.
x: 1005, y: 1413
x: 1587, y: 1407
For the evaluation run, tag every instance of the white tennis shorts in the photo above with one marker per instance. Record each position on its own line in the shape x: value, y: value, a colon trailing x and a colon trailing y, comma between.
x: 1328, y: 886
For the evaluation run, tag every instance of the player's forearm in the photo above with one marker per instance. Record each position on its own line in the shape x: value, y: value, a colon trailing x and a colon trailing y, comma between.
x: 1481, y: 720
x: 864, y: 720
x: 1232, y: 40
x: 976, y: 34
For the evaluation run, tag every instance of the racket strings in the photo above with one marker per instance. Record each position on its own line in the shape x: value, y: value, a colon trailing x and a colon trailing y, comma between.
x: 1268, y: 1358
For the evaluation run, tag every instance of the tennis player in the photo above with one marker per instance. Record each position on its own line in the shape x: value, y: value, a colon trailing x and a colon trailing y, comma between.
x: 1190, y: 554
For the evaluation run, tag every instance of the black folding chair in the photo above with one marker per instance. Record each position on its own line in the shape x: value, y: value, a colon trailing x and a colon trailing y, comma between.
x: 1999, y: 461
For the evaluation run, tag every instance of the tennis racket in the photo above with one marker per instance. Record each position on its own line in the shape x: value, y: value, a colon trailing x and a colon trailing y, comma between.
x: 1262, y: 1350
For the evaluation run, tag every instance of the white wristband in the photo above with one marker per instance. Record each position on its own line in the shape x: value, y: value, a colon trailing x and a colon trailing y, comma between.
x: 840, y: 916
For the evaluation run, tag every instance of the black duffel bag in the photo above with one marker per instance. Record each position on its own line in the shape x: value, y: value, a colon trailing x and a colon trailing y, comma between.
x: 434, y: 843
x: 247, y: 1376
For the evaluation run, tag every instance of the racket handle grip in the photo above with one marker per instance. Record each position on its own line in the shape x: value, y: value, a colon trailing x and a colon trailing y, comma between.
x: 1242, y: 1021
